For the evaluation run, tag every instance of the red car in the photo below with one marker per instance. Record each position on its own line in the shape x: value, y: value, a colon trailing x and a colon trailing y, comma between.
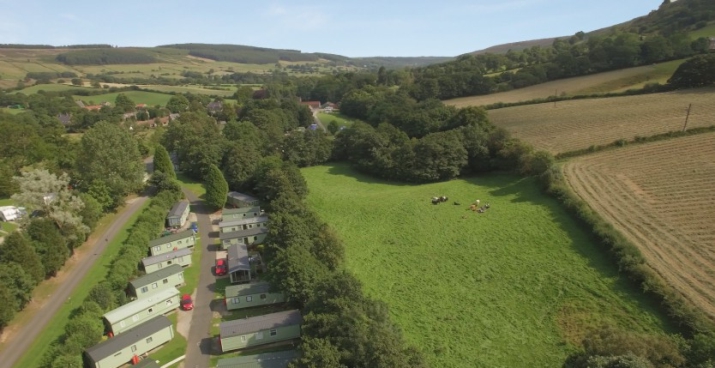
x: 186, y: 302
x: 220, y: 267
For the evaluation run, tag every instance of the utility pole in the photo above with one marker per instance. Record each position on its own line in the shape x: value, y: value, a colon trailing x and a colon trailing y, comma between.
x: 687, y: 115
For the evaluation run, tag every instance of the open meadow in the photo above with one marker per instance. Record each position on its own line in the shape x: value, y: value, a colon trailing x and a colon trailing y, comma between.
x: 149, y: 98
x: 613, y: 81
x: 517, y: 286
x: 572, y: 125
x: 339, y: 118
x: 661, y: 196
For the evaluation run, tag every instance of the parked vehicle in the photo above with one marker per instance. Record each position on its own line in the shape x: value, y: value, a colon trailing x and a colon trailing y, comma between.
x: 186, y: 302
x: 221, y: 268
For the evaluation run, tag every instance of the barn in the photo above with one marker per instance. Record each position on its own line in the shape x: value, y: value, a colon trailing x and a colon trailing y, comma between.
x: 122, y: 349
x: 182, y: 257
x: 243, y: 224
x: 166, y: 244
x: 279, y: 359
x: 239, y: 265
x: 136, y: 312
x: 178, y: 214
x: 253, y: 236
x: 237, y: 199
x: 260, y: 330
x: 229, y: 214
x: 251, y: 295
x: 151, y: 283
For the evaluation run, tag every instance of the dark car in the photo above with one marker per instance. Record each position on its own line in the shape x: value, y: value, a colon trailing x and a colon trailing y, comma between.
x: 186, y: 302
x: 221, y: 267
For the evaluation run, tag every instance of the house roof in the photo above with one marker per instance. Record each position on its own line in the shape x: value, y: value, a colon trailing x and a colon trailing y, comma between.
x: 148, y: 261
x: 110, y: 347
x: 146, y: 363
x: 155, y: 276
x: 141, y: 106
x: 246, y: 221
x: 174, y: 116
x: 313, y: 104
x: 136, y: 306
x: 247, y: 289
x: 244, y: 326
x: 178, y: 209
x: 238, y: 258
x: 279, y: 359
x: 241, y: 196
x: 65, y: 118
x: 240, y: 234
x: 214, y: 106
x: 170, y: 238
x: 240, y: 210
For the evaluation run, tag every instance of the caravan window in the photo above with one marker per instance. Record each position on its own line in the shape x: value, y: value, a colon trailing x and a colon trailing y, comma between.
x: 154, y: 285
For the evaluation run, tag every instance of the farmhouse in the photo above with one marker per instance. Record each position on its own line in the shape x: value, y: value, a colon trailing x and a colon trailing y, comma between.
x: 239, y: 264
x: 243, y: 224
x: 122, y: 349
x: 173, y: 242
x: 278, y: 359
x: 151, y: 283
x: 251, y: 295
x: 182, y: 257
x: 260, y: 330
x: 237, y: 199
x: 253, y: 236
x: 178, y: 214
x: 136, y: 312
x: 240, y: 213
x: 9, y: 213
x: 65, y: 119
x: 313, y: 105
x: 214, y: 107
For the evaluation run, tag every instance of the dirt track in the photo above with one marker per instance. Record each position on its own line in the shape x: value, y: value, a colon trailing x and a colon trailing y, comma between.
x: 661, y: 196
x: 21, y: 341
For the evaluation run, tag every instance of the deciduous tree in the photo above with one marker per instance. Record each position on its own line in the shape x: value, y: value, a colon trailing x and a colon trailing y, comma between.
x: 17, y: 249
x: 177, y: 104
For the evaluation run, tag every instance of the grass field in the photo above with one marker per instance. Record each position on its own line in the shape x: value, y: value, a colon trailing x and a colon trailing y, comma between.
x: 517, y: 286
x: 578, y: 124
x: 661, y: 196
x: 708, y: 31
x: 341, y: 119
x: 51, y: 88
x: 12, y: 111
x: 613, y: 81
x: 97, y: 273
x: 149, y: 98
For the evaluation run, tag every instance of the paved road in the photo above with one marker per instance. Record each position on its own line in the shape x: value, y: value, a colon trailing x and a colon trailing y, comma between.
x: 198, y: 350
x: 15, y: 348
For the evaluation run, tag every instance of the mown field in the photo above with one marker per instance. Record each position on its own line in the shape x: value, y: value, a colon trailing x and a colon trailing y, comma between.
x: 341, y: 119
x: 661, y: 196
x: 572, y: 125
x: 517, y: 286
x: 613, y: 81
x: 149, y: 98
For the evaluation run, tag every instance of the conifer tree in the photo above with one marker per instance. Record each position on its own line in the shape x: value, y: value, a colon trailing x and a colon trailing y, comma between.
x: 216, y: 188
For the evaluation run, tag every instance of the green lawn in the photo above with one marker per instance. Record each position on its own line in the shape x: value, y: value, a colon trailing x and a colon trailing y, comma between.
x: 516, y: 286
x: 7, y: 202
x: 8, y: 227
x: 149, y: 98
x: 191, y: 273
x: 341, y: 119
x: 12, y: 111
x: 97, y: 273
x: 196, y: 187
x: 174, y: 348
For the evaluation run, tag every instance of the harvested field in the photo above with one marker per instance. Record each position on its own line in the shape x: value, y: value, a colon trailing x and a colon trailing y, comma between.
x: 661, y: 196
x: 572, y: 125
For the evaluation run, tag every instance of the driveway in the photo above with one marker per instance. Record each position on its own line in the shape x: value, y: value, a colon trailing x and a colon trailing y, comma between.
x: 15, y: 347
x: 198, y: 350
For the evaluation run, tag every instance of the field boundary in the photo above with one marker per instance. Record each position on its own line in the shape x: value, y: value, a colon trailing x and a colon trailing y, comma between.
x: 629, y: 258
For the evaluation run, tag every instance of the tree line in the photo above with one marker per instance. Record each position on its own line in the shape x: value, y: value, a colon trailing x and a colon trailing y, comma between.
x: 244, y: 54
x: 102, y: 56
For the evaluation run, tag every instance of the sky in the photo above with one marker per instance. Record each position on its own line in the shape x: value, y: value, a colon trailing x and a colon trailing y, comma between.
x: 355, y: 28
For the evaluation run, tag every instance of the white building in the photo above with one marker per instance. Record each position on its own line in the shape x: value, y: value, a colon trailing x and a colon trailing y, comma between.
x: 9, y: 213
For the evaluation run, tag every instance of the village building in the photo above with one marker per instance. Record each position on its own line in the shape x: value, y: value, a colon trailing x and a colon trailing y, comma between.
x: 329, y: 107
x: 173, y: 242
x: 65, y: 119
x: 239, y: 264
x: 229, y: 214
x: 237, y: 199
x: 127, y: 347
x: 214, y: 107
x: 252, y: 236
x: 260, y: 330
x: 279, y: 359
x: 243, y: 224
x: 313, y: 105
x: 251, y: 295
x: 138, y: 311
x: 178, y: 214
x: 9, y: 213
x: 182, y: 257
x: 151, y: 283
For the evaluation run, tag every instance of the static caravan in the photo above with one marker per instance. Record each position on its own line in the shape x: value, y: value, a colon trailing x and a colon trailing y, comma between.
x: 182, y: 257
x: 166, y: 244
x: 165, y: 278
x: 240, y: 213
x: 138, y: 311
x: 253, y: 236
x: 251, y: 295
x: 239, y: 264
x: 178, y: 214
x: 243, y: 224
x: 279, y: 359
x: 127, y: 347
x: 260, y: 330
x: 237, y: 199
x: 9, y: 213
